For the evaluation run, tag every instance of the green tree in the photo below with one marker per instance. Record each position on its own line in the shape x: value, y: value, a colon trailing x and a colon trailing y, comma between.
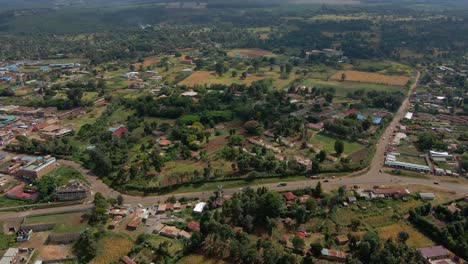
x: 85, y: 247
x: 339, y: 147
x: 298, y: 243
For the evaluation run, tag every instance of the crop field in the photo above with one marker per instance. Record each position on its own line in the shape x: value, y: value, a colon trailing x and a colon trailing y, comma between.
x: 367, y: 77
x: 251, y: 53
x: 208, y: 78
x: 416, y: 239
x: 149, y: 61
x: 112, y: 249
x: 199, y: 259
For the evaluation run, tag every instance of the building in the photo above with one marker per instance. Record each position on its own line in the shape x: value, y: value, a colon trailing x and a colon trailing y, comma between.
x: 331, y: 254
x: 128, y: 260
x: 24, y: 235
x: 199, y: 207
x: 18, y: 193
x: 11, y: 256
x: 74, y: 190
x: 193, y: 226
x: 115, y: 222
x: 35, y: 168
x: 170, y: 231
x: 440, y: 156
x: 390, y: 161
x: 434, y: 253
x: 119, y: 131
x: 289, y: 196
x: 133, y: 225
x: 427, y: 196
x: 342, y: 240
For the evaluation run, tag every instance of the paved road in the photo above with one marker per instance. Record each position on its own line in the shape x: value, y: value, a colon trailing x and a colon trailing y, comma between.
x: 372, y: 177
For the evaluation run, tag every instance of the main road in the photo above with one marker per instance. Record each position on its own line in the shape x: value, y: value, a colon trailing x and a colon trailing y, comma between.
x: 373, y: 176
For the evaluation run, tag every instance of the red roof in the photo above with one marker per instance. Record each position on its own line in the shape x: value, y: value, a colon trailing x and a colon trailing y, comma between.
x: 194, y: 226
x: 317, y: 126
x: 19, y: 193
x: 121, y: 131
x: 289, y: 196
x: 300, y: 235
x: 128, y: 260
x: 351, y: 111
x: 169, y: 206
x: 135, y: 222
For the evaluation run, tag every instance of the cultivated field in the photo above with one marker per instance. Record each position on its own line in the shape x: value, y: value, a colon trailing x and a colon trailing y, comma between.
x: 367, y: 77
x: 149, y: 61
x: 208, y: 78
x: 251, y: 53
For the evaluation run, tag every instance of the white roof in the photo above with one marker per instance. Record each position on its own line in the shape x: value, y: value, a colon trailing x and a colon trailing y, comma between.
x: 409, y: 115
x: 199, y: 207
x: 190, y: 93
x: 437, y: 153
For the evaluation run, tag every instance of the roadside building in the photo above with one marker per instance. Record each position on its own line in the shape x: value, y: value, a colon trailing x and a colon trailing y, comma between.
x: 427, y: 196
x: 390, y: 161
x: 170, y: 231
x: 74, y: 190
x: 24, y: 235
x: 35, y: 168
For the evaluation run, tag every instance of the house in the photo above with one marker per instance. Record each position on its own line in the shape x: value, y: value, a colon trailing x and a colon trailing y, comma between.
x: 193, y: 226
x: 74, y: 190
x: 133, y: 225
x: 184, y: 234
x: 434, y: 253
x: 453, y: 208
x: 162, y: 208
x: 170, y: 231
x: 427, y: 196
x: 118, y: 212
x: 377, y: 120
x: 289, y: 196
x: 391, y: 192
x: 316, y: 126
x: 190, y: 93
x: 341, y: 240
x: 115, y: 221
x: 352, y: 199
x: 128, y: 260
x: 408, y: 116
x: 331, y: 254
x: 186, y: 61
x: 119, y: 131
x: 157, y: 228
x: 390, y: 161
x: 177, y: 207
x: 18, y: 193
x: 440, y: 156
x: 199, y: 207
x: 24, y: 235
x: 164, y: 143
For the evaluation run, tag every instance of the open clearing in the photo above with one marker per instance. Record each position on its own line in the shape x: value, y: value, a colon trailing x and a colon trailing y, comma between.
x: 251, y: 53
x: 112, y: 249
x: 149, y: 61
x: 327, y: 143
x: 367, y: 77
x: 209, y: 78
x: 416, y: 239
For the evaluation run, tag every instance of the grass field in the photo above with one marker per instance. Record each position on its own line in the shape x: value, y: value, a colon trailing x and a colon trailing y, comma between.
x: 367, y: 77
x: 416, y: 239
x: 208, y: 78
x: 251, y: 53
x: 327, y: 143
x: 199, y: 259
x: 64, y: 174
x: 5, y: 202
x: 112, y: 249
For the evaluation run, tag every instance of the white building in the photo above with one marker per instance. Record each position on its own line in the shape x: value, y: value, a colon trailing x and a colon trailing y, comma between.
x: 199, y: 207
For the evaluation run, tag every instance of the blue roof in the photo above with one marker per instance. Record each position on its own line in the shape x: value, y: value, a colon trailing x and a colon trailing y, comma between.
x: 377, y: 120
x: 360, y: 117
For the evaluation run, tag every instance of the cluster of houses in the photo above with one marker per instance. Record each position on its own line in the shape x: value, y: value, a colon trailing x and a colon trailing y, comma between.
x: 32, y: 122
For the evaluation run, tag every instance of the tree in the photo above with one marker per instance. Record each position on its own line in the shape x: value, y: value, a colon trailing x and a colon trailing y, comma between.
x: 403, y: 237
x: 288, y: 68
x: 318, y: 190
x: 298, y: 243
x: 270, y: 205
x: 234, y: 74
x: 86, y: 247
x: 339, y: 147
x: 355, y: 223
x: 343, y: 77
x: 99, y: 213
x: 316, y: 249
x: 120, y: 199
x: 219, y: 68
x: 322, y: 155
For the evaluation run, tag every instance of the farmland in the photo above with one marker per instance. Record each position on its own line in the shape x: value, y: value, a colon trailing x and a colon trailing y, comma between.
x: 111, y: 249
x: 367, y: 77
x: 251, y: 53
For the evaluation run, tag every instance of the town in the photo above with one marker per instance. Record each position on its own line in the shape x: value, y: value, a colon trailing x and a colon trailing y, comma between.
x: 233, y: 132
